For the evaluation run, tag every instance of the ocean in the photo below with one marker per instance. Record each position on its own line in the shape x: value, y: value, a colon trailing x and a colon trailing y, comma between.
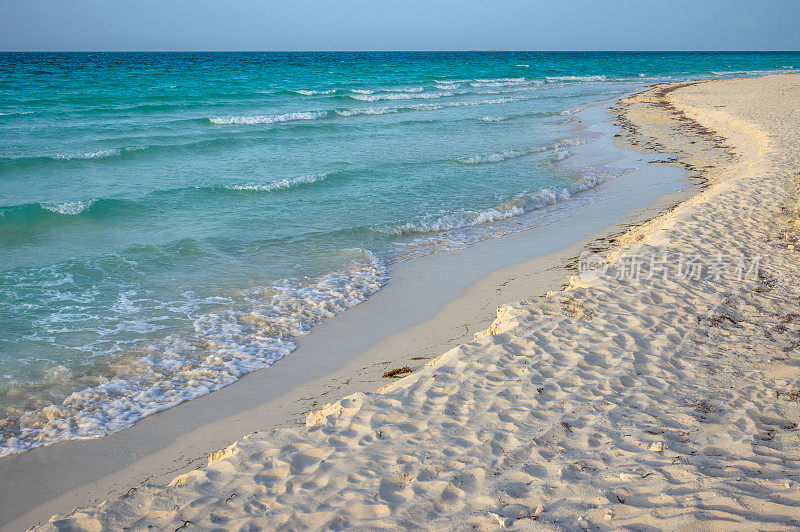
x: 172, y: 221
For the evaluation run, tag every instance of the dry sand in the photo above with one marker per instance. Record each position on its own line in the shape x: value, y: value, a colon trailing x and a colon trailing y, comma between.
x: 639, y: 401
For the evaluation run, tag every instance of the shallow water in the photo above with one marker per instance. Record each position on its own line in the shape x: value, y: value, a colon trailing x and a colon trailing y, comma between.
x: 169, y: 222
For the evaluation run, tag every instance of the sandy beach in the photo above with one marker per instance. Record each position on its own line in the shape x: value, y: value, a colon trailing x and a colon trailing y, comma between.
x: 432, y: 304
x: 659, y: 389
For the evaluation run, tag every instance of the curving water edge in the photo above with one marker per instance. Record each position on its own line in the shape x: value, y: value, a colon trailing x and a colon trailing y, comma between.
x: 253, y: 326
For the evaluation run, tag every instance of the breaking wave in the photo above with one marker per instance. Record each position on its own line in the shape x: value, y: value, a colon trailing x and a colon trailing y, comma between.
x: 501, y: 82
x: 80, y: 156
x: 400, y: 96
x: 305, y: 92
x: 562, y: 148
x: 225, y: 346
x: 504, y: 155
x: 70, y: 208
x: 420, y: 107
x: 575, y: 78
x: 34, y: 213
x: 269, y: 119
x: 406, y: 89
x: 276, y: 185
x: 517, y: 206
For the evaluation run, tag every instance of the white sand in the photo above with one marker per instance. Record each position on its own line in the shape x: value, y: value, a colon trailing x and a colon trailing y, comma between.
x: 623, y: 403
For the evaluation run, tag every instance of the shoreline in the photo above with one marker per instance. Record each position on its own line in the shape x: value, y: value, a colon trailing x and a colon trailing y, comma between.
x: 619, y: 401
x: 92, y: 411
x: 162, y: 448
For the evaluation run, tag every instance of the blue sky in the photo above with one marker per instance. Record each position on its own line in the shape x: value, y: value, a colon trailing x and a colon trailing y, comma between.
x: 399, y: 25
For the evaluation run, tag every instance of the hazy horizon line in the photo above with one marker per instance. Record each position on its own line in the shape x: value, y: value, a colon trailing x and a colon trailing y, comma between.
x: 498, y: 50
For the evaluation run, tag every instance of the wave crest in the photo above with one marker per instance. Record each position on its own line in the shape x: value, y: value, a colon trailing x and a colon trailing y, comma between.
x: 280, y: 184
x: 368, y: 111
x: 400, y: 96
x: 501, y: 156
x: 575, y: 78
x: 500, y: 82
x: 406, y: 89
x: 269, y: 119
x: 33, y: 213
x: 306, y: 92
x: 99, y: 154
x: 516, y: 206
x: 70, y: 208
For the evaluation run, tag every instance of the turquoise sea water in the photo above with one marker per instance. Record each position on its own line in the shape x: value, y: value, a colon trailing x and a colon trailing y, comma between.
x: 169, y: 222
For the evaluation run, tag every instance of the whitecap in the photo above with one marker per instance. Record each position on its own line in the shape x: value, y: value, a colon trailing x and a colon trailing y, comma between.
x: 306, y: 92
x: 468, y: 218
x: 516, y: 206
x: 419, y: 107
x: 99, y: 154
x: 500, y: 156
x: 282, y: 183
x: 70, y: 208
x: 494, y: 101
x: 576, y: 78
x: 406, y: 90
x: 12, y: 113
x: 269, y: 119
x: 367, y: 111
x: 499, y: 82
x: 399, y: 96
x: 494, y: 80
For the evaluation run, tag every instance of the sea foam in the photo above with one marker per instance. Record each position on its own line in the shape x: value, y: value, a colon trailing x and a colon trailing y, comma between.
x: 70, y: 208
x: 501, y: 82
x: 281, y: 183
x: 99, y: 154
x: 511, y: 153
x: 516, y: 206
x: 269, y: 119
x: 399, y: 96
x: 420, y: 107
x: 575, y: 78
x: 305, y: 92
x: 227, y: 345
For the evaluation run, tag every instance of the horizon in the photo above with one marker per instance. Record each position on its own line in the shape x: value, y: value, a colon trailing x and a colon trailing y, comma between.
x: 398, y: 51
